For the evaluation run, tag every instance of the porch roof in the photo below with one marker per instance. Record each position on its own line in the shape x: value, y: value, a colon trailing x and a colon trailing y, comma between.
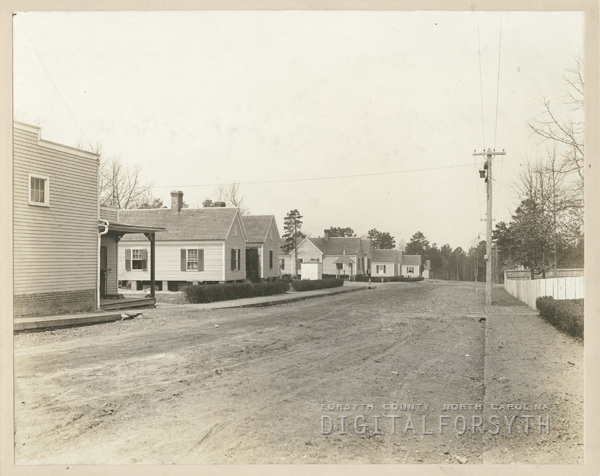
x: 344, y: 259
x: 124, y: 228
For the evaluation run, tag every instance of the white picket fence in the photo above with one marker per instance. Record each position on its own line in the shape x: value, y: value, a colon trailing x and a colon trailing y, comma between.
x: 559, y: 288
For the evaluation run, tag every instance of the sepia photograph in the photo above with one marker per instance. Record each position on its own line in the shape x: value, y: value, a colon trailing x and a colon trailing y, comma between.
x: 300, y: 236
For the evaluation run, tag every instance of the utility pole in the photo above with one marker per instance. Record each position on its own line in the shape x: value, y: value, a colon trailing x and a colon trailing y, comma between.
x: 488, y: 237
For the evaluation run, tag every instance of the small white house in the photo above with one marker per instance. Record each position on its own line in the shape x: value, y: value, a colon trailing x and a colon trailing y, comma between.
x: 264, y: 236
x: 411, y: 265
x: 199, y: 245
x: 385, y: 263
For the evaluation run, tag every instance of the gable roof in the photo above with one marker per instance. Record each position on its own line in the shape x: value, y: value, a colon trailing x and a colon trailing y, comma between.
x: 411, y: 260
x: 257, y: 226
x: 384, y: 256
x: 337, y: 245
x: 187, y: 224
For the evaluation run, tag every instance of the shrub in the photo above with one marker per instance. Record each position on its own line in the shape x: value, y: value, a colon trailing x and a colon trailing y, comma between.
x: 566, y: 315
x: 387, y: 279
x: 204, y: 293
x: 310, y: 284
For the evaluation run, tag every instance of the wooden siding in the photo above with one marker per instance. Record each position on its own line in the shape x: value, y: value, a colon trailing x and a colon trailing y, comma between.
x: 404, y: 271
x: 110, y: 241
x: 390, y: 268
x: 55, y: 247
x: 168, y: 261
x: 311, y: 255
x: 237, y: 242
x: 109, y: 213
x: 271, y: 244
x: 287, y: 269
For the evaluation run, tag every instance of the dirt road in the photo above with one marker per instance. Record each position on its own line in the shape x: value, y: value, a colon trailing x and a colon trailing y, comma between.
x: 263, y: 385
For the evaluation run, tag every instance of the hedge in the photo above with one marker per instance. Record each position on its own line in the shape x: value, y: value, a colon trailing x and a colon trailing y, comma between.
x: 310, y: 284
x: 225, y: 292
x: 566, y: 315
x: 387, y: 279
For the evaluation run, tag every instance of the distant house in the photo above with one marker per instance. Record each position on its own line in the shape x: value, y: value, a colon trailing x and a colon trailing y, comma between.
x: 367, y: 247
x: 285, y: 262
x: 62, y: 245
x: 341, y: 256
x: 385, y: 263
x: 200, y: 245
x: 263, y: 236
x: 411, y: 265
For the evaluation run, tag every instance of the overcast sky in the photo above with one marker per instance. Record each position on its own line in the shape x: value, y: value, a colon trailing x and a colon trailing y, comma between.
x: 208, y: 97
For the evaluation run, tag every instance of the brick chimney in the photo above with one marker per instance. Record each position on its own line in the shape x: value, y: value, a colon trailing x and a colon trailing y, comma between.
x: 327, y: 234
x: 176, y: 200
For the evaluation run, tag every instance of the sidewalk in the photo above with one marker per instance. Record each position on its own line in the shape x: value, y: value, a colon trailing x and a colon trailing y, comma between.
x: 69, y: 320
x: 290, y: 296
x: 527, y: 362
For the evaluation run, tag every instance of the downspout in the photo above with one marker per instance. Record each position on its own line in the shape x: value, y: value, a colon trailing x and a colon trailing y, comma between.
x: 98, y: 276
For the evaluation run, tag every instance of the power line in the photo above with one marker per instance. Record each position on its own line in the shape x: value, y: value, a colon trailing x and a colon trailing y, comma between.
x: 497, y: 102
x: 53, y: 84
x: 317, y: 178
x: 480, y: 82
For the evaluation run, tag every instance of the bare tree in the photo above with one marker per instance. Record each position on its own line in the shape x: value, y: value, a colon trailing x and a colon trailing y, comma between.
x: 566, y: 130
x: 231, y: 194
x: 121, y: 185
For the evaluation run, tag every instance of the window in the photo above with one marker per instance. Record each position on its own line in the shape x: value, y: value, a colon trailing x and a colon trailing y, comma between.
x: 282, y: 264
x: 192, y: 259
x: 236, y: 264
x: 136, y: 259
x: 380, y: 269
x: 39, y: 190
x: 410, y: 269
x: 271, y: 259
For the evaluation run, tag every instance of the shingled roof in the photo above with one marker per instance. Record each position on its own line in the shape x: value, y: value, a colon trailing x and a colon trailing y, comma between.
x: 411, y: 260
x: 257, y: 227
x: 337, y: 245
x: 187, y: 224
x: 383, y: 256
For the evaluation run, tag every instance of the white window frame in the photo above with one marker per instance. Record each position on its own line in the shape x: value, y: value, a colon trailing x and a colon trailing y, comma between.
x: 188, y: 261
x: 382, y: 267
x: 46, y: 179
x: 410, y: 269
x: 140, y: 259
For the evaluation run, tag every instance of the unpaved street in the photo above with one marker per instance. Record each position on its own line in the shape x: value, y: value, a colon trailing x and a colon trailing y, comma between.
x: 172, y: 387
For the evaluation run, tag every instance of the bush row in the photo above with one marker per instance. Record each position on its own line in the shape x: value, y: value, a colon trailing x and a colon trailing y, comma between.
x: 310, y: 284
x: 225, y: 292
x: 387, y: 279
x: 566, y: 315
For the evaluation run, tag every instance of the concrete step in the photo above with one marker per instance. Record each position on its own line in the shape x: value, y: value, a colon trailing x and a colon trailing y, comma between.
x: 66, y: 320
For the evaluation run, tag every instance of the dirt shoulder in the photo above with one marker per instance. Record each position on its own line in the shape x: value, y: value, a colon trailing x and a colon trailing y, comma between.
x: 539, y: 371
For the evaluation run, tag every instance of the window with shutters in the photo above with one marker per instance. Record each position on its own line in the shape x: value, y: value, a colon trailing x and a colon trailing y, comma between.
x: 410, y: 269
x: 381, y: 269
x: 234, y: 259
x: 39, y: 190
x: 137, y: 258
x: 192, y: 259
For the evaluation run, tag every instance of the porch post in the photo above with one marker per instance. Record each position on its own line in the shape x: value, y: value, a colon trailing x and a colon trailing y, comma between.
x: 152, y: 264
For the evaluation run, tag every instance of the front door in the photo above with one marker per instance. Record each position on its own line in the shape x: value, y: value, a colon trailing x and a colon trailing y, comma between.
x: 103, y: 269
